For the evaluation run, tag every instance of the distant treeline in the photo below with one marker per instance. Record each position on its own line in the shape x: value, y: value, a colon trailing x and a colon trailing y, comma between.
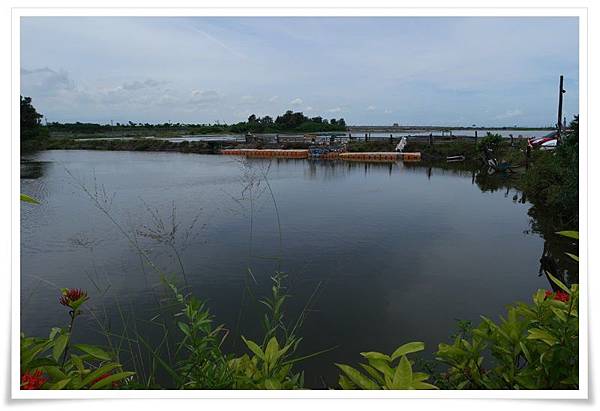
x: 288, y: 122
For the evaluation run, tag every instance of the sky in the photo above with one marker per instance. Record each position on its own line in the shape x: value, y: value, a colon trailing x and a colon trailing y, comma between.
x: 458, y: 71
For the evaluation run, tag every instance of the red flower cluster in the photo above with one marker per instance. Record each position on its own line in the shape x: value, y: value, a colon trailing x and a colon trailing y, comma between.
x: 560, y: 296
x: 32, y: 381
x: 71, y: 295
x: 103, y: 376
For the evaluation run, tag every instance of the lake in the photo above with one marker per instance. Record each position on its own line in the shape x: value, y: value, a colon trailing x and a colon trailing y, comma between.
x: 382, y: 254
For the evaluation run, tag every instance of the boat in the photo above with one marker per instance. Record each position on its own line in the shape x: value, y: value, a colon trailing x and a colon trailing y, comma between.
x: 452, y: 159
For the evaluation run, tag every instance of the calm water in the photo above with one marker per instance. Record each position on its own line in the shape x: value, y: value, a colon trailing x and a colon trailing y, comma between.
x: 392, y: 253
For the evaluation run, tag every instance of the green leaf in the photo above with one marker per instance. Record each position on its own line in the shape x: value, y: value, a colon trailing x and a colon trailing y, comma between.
x: 41, y: 362
x: 60, y: 343
x: 60, y: 384
x: 372, y: 355
x: 78, y: 362
x: 569, y: 234
x: 28, y: 199
x: 272, y: 384
x: 407, y: 349
x: 573, y: 256
x: 98, y: 373
x: 525, y: 352
x: 420, y: 376
x: 402, y: 375
x: 561, y: 314
x: 55, y: 373
x: 93, y: 351
x: 33, y: 351
x: 558, y: 282
x: 419, y: 385
x: 345, y: 383
x: 545, y: 336
x: 272, y: 350
x: 373, y: 373
x: 109, y: 380
x: 254, y: 348
x: 184, y: 327
x: 357, y: 378
x: 383, y: 367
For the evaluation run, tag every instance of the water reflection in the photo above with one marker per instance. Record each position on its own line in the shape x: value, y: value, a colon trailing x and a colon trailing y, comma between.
x: 393, y: 247
x: 553, y: 259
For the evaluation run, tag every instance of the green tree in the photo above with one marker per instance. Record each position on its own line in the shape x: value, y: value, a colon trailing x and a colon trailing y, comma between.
x: 33, y: 134
x: 30, y: 120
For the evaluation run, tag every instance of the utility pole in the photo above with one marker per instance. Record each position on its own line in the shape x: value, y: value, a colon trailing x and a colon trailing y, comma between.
x: 561, y: 91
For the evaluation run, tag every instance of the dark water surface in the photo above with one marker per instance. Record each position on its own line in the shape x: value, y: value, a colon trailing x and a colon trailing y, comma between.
x: 394, y: 253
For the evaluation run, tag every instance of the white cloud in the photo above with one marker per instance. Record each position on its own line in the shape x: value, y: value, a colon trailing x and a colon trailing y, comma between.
x: 204, y: 96
x: 45, y: 81
x: 308, y: 108
x: 187, y: 53
x: 510, y: 114
x: 334, y: 110
x: 371, y: 108
x: 138, y: 85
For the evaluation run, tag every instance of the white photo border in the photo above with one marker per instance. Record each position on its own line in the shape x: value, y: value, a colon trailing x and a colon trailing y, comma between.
x: 580, y: 12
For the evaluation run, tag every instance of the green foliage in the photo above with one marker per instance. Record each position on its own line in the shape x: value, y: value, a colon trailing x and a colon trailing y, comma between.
x: 381, y: 373
x: 288, y: 122
x: 30, y: 119
x: 552, y: 180
x: 88, y: 367
x: 535, y: 347
x: 33, y: 135
x: 202, y: 364
x: 28, y: 199
x: 266, y: 369
x: 271, y: 364
x: 490, y: 141
x: 55, y: 363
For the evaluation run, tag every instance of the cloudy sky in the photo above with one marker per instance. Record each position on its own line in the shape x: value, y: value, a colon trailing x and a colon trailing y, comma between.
x: 375, y: 70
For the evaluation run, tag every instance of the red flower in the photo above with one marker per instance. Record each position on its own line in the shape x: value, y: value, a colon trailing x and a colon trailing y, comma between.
x: 560, y: 296
x: 72, y: 295
x: 103, y: 376
x: 32, y: 381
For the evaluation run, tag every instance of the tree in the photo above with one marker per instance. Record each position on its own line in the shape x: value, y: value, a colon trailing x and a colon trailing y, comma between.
x: 30, y: 120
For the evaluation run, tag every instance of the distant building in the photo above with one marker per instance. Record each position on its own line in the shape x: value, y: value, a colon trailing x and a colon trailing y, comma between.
x: 396, y: 125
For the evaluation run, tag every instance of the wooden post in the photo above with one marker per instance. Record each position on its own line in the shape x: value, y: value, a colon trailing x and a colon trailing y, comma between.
x: 430, y: 139
x: 561, y: 91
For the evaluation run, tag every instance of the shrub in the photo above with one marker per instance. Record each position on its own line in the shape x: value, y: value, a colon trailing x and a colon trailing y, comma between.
x: 490, y: 141
x: 383, y: 374
x: 55, y: 363
x: 535, y: 347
